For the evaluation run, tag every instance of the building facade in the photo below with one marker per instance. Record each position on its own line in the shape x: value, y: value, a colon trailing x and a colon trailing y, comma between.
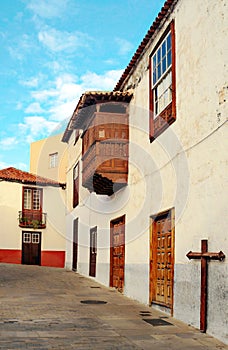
x: 32, y: 219
x: 48, y: 158
x: 146, y: 170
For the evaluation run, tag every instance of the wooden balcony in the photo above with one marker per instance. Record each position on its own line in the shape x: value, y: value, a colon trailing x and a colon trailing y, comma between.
x: 105, y: 166
x: 104, y: 119
x: 35, y: 220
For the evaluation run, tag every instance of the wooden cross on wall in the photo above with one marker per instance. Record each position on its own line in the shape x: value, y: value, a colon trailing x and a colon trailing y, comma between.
x: 204, y: 255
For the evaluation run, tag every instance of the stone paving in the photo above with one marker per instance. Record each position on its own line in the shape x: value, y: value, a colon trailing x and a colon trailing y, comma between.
x: 41, y: 308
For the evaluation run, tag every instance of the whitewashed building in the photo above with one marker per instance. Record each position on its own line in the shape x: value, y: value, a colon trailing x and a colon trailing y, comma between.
x: 32, y: 219
x: 147, y: 167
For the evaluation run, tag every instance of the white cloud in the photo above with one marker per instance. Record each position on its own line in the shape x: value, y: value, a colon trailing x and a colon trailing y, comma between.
x: 36, y: 126
x: 60, y: 100
x: 106, y: 81
x: 19, y: 106
x: 44, y: 95
x: 22, y: 46
x: 47, y: 9
x: 8, y: 142
x: 125, y: 47
x: 57, y: 41
x: 19, y: 165
x: 4, y: 165
x: 34, y: 108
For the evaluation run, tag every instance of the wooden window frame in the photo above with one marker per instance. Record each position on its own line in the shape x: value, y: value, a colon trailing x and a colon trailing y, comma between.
x: 32, y: 189
x: 76, y: 186
x: 168, y: 115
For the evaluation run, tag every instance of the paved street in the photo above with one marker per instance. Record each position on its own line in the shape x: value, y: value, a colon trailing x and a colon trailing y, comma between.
x: 42, y: 308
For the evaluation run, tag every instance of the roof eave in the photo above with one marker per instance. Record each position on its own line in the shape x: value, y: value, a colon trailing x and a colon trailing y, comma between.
x: 163, y: 14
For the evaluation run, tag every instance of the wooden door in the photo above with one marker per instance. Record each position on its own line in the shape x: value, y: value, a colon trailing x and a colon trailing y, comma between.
x: 75, y: 245
x: 117, y: 253
x: 93, y: 251
x: 31, y: 248
x: 162, y: 259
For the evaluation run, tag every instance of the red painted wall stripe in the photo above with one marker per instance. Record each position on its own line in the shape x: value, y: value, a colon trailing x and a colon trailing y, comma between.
x: 10, y: 256
x: 48, y: 258
x: 53, y: 258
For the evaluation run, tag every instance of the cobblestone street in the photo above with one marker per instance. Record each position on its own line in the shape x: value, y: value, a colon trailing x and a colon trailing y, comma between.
x: 46, y: 308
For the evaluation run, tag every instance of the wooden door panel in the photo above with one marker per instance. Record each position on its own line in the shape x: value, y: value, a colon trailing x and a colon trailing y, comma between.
x: 161, y: 261
x: 31, y: 248
x: 93, y: 252
x: 75, y: 245
x: 117, y: 253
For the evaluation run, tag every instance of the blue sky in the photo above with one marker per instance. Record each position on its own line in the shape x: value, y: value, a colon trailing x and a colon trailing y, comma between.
x: 54, y: 50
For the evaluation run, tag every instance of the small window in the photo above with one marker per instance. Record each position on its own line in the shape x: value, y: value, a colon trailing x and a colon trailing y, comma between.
x: 36, y: 238
x: 101, y: 133
x: 26, y: 237
x: 53, y: 160
x: 27, y: 198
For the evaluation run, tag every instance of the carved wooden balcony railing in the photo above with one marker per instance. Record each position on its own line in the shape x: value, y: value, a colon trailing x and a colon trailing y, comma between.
x: 105, y: 166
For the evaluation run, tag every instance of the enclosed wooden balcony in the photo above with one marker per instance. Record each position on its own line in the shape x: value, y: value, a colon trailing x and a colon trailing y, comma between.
x: 104, y: 119
x: 105, y: 166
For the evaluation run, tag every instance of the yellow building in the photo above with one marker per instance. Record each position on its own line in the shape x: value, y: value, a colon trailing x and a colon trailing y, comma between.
x: 48, y: 157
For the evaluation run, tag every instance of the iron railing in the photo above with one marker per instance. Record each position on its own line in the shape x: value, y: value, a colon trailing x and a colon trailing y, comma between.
x: 32, y: 219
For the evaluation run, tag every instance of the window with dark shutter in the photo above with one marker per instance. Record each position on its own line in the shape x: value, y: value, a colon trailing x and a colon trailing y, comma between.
x: 76, y: 185
x: 163, y: 84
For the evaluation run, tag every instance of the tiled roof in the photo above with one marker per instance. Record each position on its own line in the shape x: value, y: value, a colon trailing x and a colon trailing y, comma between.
x: 16, y: 175
x: 90, y: 98
x: 166, y: 9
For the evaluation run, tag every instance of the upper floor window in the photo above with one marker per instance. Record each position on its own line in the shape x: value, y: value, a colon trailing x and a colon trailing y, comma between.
x: 162, y: 84
x: 53, y: 160
x: 31, y: 206
x: 32, y: 199
x: 76, y: 185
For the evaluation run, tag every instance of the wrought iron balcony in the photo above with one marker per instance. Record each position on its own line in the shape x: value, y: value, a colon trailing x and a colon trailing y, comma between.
x: 32, y: 220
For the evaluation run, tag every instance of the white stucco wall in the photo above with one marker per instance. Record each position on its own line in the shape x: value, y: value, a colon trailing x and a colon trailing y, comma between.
x: 10, y: 204
x: 53, y: 236
x: 184, y: 168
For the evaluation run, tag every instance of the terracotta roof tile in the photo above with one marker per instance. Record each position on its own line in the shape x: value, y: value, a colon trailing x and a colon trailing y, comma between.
x: 16, y: 175
x: 90, y: 98
x: 168, y: 5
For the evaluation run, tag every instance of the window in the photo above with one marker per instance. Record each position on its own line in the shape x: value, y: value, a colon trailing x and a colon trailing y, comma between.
x: 101, y: 133
x: 76, y: 185
x: 32, y: 204
x: 32, y: 199
x: 36, y: 238
x: 27, y: 199
x: 27, y: 237
x: 53, y: 160
x: 162, y: 84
